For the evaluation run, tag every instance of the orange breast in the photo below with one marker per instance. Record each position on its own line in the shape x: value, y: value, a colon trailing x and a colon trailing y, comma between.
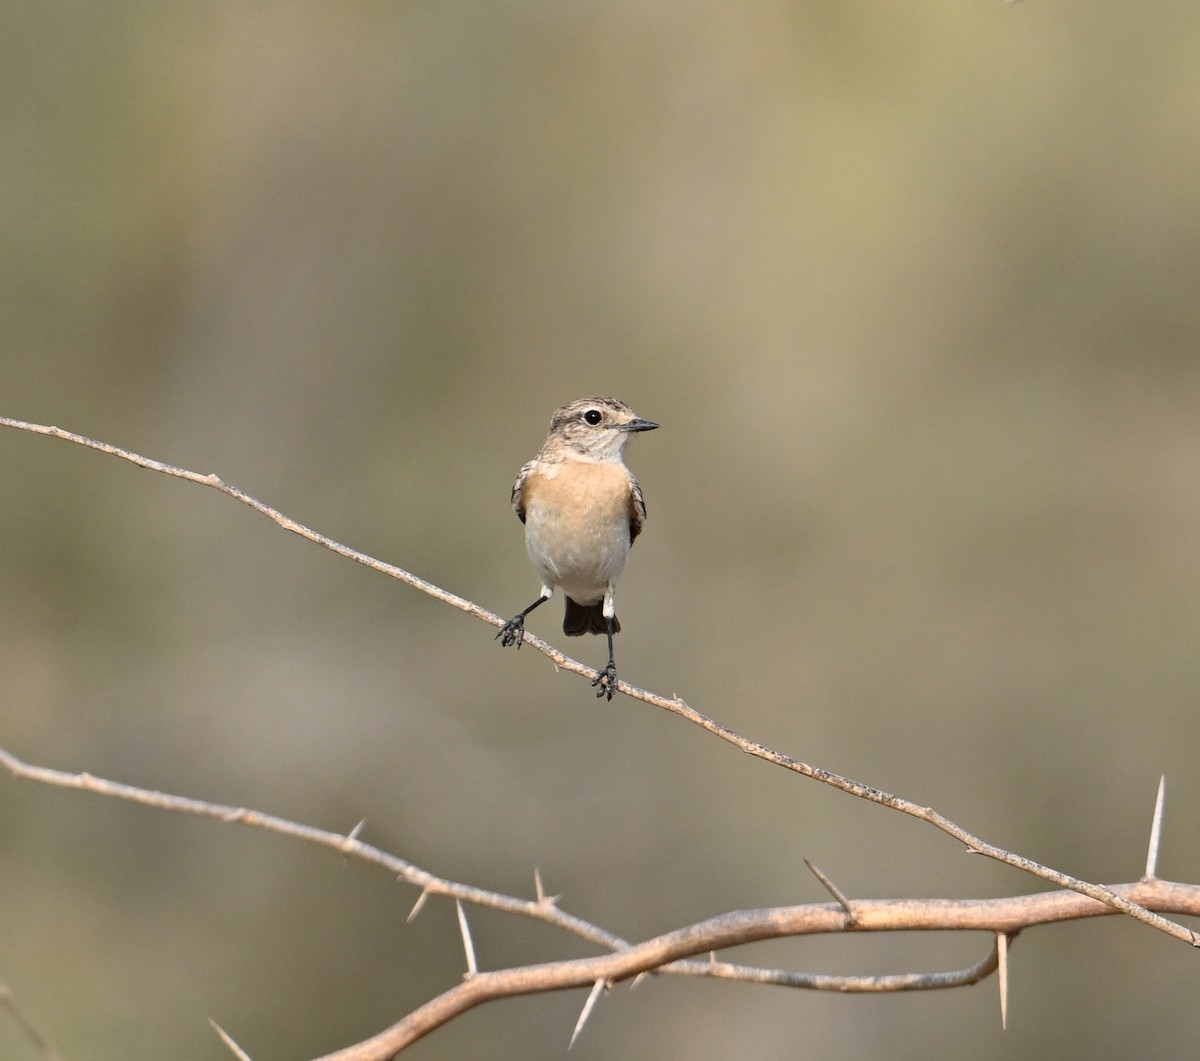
x: 577, y: 525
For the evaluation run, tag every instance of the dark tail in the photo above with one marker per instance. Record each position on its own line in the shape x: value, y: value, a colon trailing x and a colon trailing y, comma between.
x: 580, y: 619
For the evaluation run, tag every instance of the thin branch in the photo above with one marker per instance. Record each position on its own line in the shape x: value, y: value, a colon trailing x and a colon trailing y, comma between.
x: 406, y: 871
x: 888, y: 983
x: 973, y: 844
x: 286, y: 522
x: 24, y: 1026
x: 227, y: 1039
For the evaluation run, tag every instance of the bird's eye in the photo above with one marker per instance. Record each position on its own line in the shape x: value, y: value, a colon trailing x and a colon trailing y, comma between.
x: 593, y: 416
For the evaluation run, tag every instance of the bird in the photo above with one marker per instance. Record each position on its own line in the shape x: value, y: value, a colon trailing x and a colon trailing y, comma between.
x: 582, y: 510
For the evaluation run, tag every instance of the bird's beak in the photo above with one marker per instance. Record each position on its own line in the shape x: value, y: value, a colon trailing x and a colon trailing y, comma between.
x: 637, y: 424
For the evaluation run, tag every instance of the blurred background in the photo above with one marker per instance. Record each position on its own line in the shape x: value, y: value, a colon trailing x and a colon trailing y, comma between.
x: 912, y: 290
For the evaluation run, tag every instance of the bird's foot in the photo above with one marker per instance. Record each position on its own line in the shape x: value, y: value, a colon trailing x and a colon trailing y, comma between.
x: 512, y: 632
x: 606, y: 681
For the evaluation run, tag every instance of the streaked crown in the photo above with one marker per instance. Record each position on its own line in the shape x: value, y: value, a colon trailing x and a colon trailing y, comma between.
x: 594, y: 428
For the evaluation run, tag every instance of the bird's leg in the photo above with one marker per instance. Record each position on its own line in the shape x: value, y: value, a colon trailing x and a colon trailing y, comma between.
x: 606, y: 680
x: 513, y: 631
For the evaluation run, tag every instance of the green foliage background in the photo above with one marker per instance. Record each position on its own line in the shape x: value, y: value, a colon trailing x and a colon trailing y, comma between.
x: 912, y: 289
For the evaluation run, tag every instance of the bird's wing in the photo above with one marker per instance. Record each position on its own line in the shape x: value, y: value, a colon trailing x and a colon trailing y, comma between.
x: 637, y: 510
x: 518, y: 490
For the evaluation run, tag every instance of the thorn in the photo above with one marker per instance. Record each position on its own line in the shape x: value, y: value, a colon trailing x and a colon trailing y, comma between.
x: 352, y: 836
x: 638, y: 979
x: 227, y: 1039
x: 597, y: 987
x: 412, y: 914
x: 542, y: 898
x: 835, y: 891
x: 1156, y: 831
x: 468, y: 946
x: 1002, y: 970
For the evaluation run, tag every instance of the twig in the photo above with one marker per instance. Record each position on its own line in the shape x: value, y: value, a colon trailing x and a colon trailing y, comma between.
x: 24, y: 1026
x: 406, y: 871
x: 228, y: 1040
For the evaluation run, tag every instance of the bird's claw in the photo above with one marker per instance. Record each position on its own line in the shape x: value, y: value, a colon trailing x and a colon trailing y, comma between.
x: 512, y: 632
x: 606, y: 681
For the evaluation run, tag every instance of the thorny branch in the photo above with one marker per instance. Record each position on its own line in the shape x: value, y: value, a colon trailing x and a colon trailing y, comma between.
x: 670, y: 953
x: 1000, y: 916
x: 666, y: 953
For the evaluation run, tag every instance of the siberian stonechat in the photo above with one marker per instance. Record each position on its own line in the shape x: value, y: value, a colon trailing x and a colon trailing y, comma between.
x: 582, y: 510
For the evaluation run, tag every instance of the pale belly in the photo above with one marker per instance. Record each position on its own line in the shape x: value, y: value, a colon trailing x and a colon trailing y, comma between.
x: 578, y: 540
